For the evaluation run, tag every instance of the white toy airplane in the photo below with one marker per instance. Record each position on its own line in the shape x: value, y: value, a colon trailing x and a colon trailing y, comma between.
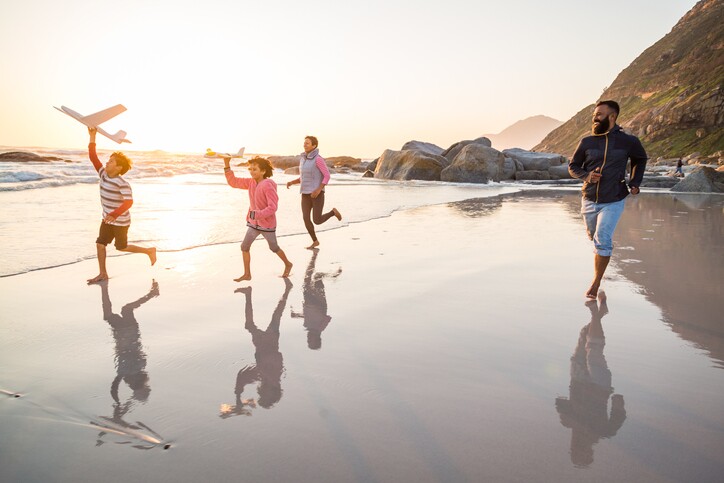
x: 93, y: 120
x: 214, y: 154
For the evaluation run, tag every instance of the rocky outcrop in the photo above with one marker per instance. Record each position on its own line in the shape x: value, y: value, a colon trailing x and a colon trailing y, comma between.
x: 284, y: 162
x: 554, y: 164
x: 702, y: 180
x: 671, y: 96
x: 455, y: 149
x: 25, y: 157
x: 410, y: 164
x: 423, y: 147
x: 475, y: 163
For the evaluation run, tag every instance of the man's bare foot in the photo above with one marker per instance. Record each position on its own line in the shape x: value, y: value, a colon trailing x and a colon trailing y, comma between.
x: 593, y: 291
x: 314, y: 244
x: 287, y: 269
x: 337, y: 213
x: 246, y: 276
x: 152, y: 255
x: 98, y: 278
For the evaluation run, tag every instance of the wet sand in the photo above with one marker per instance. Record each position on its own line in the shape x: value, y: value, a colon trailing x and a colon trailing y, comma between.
x: 444, y: 343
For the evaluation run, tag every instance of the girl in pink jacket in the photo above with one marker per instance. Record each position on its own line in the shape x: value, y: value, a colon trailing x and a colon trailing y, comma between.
x: 261, y: 218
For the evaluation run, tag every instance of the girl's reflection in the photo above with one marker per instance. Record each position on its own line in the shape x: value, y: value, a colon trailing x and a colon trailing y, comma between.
x: 314, y: 307
x: 585, y: 411
x: 269, y: 362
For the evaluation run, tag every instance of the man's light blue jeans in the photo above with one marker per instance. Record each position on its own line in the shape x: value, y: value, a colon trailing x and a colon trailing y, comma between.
x: 601, y: 220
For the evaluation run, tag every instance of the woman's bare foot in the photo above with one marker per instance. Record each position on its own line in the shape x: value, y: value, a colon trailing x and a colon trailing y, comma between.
x: 98, y: 278
x: 314, y: 244
x: 337, y: 213
x: 152, y: 255
x: 287, y: 269
x: 246, y: 276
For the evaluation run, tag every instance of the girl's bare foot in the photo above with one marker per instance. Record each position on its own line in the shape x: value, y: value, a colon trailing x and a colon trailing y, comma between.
x: 246, y: 276
x: 152, y: 255
x: 98, y: 278
x: 287, y: 269
x: 337, y: 213
x: 314, y: 244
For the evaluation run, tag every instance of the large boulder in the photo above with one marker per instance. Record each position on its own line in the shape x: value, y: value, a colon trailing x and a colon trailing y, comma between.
x: 532, y: 174
x: 559, y: 172
x: 476, y: 163
x: 655, y: 181
x: 702, y: 180
x: 24, y: 157
x: 410, y: 164
x: 455, y: 149
x: 284, y: 162
x: 510, y: 167
x: 346, y: 161
x: 533, y: 161
x: 423, y: 147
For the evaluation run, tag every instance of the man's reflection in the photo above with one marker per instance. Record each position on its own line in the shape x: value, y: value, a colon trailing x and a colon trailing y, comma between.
x: 130, y: 358
x: 586, y: 410
x: 269, y: 362
x: 314, y: 306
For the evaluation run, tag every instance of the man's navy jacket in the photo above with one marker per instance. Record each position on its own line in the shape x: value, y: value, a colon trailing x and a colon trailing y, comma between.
x: 610, y: 152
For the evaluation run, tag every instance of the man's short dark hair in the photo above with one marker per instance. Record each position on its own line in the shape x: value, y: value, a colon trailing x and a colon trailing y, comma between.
x: 612, y: 104
x: 312, y: 140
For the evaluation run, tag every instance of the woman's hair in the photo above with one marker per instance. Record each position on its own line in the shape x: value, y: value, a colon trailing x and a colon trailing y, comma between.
x: 264, y: 165
x: 313, y: 140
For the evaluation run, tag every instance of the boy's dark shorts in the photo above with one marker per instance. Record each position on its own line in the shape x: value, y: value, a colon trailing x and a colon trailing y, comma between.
x: 107, y: 233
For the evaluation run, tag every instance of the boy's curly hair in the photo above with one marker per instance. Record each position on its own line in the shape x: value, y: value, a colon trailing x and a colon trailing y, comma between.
x: 123, y: 161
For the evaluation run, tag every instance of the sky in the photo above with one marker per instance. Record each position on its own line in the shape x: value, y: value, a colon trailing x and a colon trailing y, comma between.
x: 362, y: 77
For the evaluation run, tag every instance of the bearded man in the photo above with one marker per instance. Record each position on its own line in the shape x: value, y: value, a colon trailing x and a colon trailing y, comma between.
x: 600, y: 161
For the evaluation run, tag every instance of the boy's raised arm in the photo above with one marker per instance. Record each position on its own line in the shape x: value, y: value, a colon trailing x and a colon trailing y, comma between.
x: 92, y: 149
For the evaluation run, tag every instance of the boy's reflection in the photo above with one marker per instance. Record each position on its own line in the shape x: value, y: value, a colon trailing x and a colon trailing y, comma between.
x: 269, y: 362
x: 129, y: 356
x: 314, y: 307
x: 585, y: 411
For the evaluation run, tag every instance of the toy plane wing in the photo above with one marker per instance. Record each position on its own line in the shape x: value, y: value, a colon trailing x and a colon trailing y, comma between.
x: 94, y: 120
x: 213, y: 154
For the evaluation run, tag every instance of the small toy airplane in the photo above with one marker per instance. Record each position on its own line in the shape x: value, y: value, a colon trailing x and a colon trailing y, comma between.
x: 94, y: 120
x: 214, y: 154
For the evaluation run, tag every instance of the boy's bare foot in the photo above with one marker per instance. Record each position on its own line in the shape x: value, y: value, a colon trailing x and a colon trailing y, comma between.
x: 593, y: 291
x: 337, y: 213
x: 314, y: 244
x: 98, y: 278
x: 152, y: 255
x: 246, y: 276
x: 287, y: 269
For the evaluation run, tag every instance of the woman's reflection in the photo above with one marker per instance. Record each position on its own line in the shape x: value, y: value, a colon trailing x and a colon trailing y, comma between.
x: 269, y: 362
x: 314, y: 307
x: 586, y: 409
x: 130, y: 358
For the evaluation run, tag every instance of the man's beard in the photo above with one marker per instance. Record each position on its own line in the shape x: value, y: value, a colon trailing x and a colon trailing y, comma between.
x: 601, y: 127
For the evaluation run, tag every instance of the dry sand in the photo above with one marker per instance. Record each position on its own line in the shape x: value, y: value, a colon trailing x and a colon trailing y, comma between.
x: 441, y: 350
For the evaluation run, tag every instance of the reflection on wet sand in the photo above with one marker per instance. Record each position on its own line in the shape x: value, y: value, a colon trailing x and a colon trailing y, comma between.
x: 269, y: 365
x: 314, y: 306
x: 130, y: 361
x: 585, y: 411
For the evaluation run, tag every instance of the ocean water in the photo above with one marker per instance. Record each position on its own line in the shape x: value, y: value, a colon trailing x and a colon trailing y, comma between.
x: 51, y: 210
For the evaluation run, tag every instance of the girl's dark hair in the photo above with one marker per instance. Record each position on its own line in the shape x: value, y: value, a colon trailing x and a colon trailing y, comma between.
x: 264, y: 164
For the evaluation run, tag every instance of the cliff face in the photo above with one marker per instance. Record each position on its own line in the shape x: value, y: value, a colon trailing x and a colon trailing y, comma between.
x: 671, y: 96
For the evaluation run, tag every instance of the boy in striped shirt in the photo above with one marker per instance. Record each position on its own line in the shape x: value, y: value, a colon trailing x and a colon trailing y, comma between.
x: 116, y: 200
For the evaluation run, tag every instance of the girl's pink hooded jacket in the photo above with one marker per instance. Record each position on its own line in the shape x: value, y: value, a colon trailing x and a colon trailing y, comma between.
x: 263, y: 201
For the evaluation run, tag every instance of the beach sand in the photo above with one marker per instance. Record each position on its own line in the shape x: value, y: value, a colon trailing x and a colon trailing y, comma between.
x: 442, y: 343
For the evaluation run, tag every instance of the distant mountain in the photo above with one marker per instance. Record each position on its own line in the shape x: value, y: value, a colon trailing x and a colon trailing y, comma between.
x: 671, y: 96
x: 524, y: 134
